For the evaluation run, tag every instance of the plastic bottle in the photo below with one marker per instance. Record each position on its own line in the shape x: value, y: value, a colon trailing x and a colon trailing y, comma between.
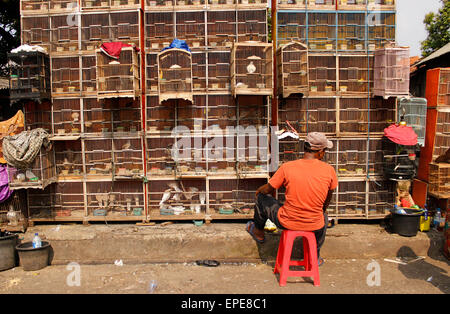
x: 437, y: 218
x: 37, y: 243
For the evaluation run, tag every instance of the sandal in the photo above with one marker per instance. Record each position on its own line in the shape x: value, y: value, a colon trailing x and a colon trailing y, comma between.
x: 208, y: 263
x: 249, y: 228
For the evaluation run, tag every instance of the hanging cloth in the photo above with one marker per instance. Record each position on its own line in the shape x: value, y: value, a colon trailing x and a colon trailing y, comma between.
x: 178, y: 43
x: 8, y: 127
x: 401, y: 134
x: 113, y: 49
x: 5, y: 192
x: 20, y: 150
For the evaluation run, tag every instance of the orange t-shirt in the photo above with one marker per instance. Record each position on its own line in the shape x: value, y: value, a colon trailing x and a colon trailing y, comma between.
x: 307, y: 183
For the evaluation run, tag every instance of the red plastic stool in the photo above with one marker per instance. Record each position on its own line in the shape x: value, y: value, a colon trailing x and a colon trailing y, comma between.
x: 309, y: 261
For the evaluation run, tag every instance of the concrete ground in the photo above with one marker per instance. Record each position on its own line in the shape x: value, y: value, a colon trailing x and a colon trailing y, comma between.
x: 104, y: 259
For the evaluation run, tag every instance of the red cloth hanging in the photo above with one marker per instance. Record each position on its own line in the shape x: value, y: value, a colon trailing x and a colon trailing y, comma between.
x: 401, y: 134
x: 113, y: 49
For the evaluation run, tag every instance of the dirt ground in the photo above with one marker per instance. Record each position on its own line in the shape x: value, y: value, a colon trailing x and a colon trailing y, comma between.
x: 423, y: 276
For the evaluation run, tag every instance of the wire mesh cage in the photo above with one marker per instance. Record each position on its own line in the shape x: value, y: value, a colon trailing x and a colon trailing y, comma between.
x: 89, y: 75
x: 439, y: 180
x: 353, y: 115
x: 127, y: 158
x: 352, y: 157
x: 351, y: 31
x: 29, y: 76
x: 292, y: 67
x: 175, y: 74
x: 41, y: 118
x: 251, y: 69
x: 233, y: 197
x: 115, y: 200
x: 87, y: 5
x: 125, y: 116
x: 29, y: 7
x: 35, y: 30
x: 97, y: 116
x: 414, y: 112
x: 391, y: 72
x: 66, y: 116
x: 222, y: 112
x: 355, y: 75
x: 69, y: 160
x: 160, y: 5
x: 190, y: 4
x: 192, y: 117
x: 375, y: 161
x: 183, y: 198
x: 219, y: 72
x: 352, y: 4
x: 94, y: 30
x: 159, y: 157
x: 252, y: 25
x: 291, y: 27
x: 64, y: 35
x: 351, y: 198
x: 321, y: 4
x: 39, y: 175
x: 160, y: 30
x: 66, y: 76
x: 41, y: 203
x: 381, y: 29
x: 124, y: 4
x: 381, y: 197
x: 118, y: 78
x: 98, y: 158
x: 69, y: 200
x: 189, y: 156
x: 124, y: 26
x: 249, y: 4
x: 322, y: 74
x: 160, y: 117
x: 308, y: 114
x: 291, y: 4
x: 221, y: 29
x: 59, y: 6
x: 399, y: 160
x: 190, y: 26
x: 382, y: 114
x: 199, y: 69
x: 322, y: 31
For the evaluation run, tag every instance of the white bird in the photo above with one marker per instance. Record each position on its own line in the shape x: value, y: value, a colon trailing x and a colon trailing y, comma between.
x: 165, y: 196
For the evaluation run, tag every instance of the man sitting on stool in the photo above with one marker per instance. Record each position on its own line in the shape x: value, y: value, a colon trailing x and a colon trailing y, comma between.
x: 309, y: 184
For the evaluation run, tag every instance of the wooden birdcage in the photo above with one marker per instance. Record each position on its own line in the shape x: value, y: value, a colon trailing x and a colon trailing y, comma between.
x: 118, y: 77
x: 292, y: 67
x: 251, y: 69
x: 175, y: 74
x: 391, y: 72
x: 40, y: 174
x: 29, y: 75
x: 439, y: 180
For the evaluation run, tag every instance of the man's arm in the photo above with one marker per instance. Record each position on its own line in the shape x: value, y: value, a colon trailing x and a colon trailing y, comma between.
x: 328, y: 200
x: 266, y: 189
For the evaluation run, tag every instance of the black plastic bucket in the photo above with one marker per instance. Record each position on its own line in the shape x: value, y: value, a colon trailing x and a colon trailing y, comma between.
x: 31, y: 258
x: 407, y: 223
x: 8, y: 251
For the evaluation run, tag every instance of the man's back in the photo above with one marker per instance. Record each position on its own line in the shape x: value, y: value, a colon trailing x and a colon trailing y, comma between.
x: 307, y: 183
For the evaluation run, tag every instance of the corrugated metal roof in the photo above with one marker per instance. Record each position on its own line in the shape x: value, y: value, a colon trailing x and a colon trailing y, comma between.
x: 444, y: 50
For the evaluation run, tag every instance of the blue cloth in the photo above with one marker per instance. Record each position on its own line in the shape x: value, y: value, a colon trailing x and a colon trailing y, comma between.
x: 178, y: 43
